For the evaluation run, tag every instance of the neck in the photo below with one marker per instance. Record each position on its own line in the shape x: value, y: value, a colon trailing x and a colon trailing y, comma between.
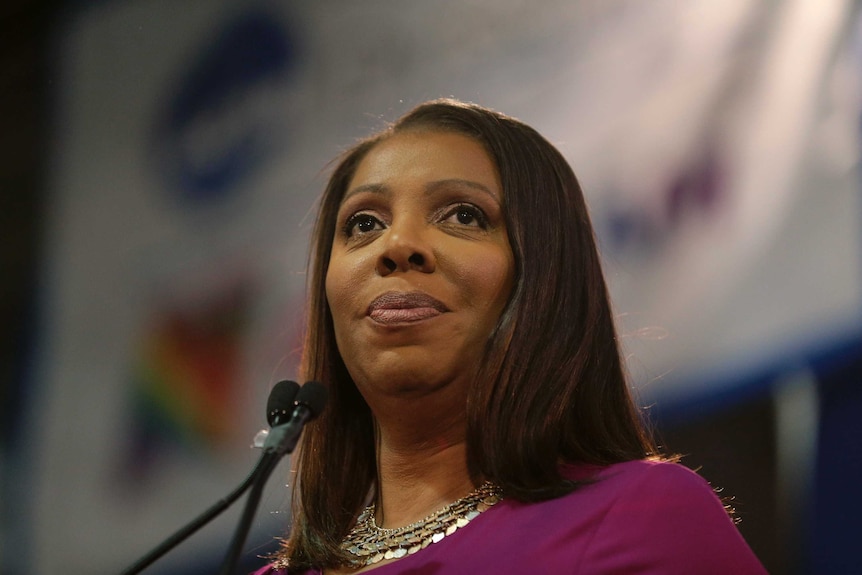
x: 420, y: 472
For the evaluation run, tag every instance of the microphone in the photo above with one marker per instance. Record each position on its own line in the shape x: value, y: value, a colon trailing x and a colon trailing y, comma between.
x: 282, y: 439
x: 281, y: 400
x: 278, y: 407
x: 309, y: 402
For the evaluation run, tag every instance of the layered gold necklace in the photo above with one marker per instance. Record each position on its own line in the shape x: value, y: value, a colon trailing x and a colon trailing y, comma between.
x: 371, y: 544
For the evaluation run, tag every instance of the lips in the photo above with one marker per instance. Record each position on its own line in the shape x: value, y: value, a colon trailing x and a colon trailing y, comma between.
x: 404, y: 307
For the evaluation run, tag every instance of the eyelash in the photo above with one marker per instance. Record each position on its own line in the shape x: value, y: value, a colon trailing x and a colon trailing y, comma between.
x: 474, y: 212
x: 356, y: 219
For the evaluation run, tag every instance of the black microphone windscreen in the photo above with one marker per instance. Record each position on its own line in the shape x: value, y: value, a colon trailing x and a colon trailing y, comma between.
x: 313, y: 394
x: 280, y: 402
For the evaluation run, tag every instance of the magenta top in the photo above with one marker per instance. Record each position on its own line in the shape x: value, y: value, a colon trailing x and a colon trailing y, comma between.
x: 638, y: 517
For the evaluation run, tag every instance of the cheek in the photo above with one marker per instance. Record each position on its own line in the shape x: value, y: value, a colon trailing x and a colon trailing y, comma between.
x: 491, y: 278
x: 342, y: 282
x: 335, y: 292
x: 337, y: 297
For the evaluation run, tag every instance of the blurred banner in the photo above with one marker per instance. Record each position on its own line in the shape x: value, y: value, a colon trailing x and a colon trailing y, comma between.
x: 717, y: 144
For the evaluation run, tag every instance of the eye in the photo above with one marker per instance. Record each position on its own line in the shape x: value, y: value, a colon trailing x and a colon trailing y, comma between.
x: 361, y: 223
x: 466, y: 215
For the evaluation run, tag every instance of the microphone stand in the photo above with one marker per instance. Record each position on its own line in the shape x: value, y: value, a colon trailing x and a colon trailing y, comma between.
x: 244, y: 526
x: 265, y: 462
x: 280, y: 441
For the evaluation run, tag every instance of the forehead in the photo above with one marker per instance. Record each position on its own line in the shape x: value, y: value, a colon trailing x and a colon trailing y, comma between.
x: 417, y: 157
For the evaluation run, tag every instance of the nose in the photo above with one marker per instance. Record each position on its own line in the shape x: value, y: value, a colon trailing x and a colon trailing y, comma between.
x: 405, y: 247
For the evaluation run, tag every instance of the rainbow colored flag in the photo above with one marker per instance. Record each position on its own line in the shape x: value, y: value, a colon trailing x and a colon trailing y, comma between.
x: 184, y: 381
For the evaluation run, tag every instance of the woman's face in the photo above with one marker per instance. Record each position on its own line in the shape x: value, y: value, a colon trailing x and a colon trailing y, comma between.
x: 421, y: 266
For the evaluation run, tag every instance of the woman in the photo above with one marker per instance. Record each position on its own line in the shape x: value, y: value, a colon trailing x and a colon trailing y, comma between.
x: 459, y: 316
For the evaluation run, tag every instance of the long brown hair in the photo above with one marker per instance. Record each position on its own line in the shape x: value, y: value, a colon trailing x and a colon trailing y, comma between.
x: 551, y: 388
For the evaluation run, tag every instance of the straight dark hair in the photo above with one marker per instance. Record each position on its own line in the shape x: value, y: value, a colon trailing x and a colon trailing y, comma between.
x: 551, y: 389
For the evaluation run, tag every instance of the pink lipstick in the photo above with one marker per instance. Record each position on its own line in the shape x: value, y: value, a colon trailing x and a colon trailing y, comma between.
x: 404, y: 307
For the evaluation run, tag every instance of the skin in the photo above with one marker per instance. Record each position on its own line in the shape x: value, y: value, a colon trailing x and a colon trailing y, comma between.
x: 420, y: 271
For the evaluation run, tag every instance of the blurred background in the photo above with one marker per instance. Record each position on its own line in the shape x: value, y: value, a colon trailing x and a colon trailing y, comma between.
x: 160, y: 164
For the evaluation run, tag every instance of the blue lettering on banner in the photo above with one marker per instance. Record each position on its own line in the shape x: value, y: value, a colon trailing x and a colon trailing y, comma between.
x: 694, y: 193
x: 217, y: 127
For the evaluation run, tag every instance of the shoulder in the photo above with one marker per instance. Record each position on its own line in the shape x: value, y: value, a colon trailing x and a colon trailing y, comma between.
x: 665, y: 518
x: 633, y: 471
x: 653, y: 481
x: 658, y: 491
x: 657, y: 476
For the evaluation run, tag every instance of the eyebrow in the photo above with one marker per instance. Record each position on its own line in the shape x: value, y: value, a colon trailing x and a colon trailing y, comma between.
x: 430, y: 188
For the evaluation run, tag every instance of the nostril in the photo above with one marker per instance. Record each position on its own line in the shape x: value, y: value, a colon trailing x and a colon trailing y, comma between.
x: 417, y: 260
x: 389, y: 264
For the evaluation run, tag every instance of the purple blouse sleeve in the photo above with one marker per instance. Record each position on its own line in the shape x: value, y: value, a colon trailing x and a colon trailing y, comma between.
x: 669, y: 522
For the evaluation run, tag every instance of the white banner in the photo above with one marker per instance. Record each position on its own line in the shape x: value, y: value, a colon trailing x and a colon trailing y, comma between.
x: 715, y: 142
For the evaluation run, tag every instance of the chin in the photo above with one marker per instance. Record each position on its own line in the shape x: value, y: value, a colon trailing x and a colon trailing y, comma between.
x: 401, y: 377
